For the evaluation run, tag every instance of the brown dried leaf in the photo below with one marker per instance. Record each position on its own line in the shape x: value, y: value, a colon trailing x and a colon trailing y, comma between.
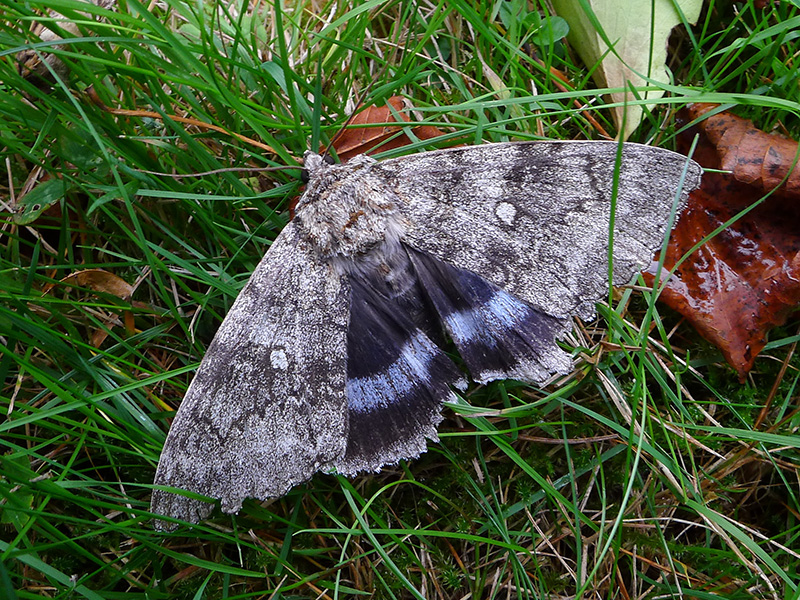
x: 39, y: 66
x: 100, y: 280
x: 746, y: 280
x: 733, y: 144
x: 104, y: 282
x: 350, y: 142
x: 380, y: 137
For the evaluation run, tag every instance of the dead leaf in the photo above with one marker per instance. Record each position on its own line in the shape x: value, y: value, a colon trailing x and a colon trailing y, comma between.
x: 104, y: 282
x: 745, y: 280
x: 42, y: 67
x: 376, y: 135
x: 100, y: 280
x: 378, y: 138
x: 638, y: 31
x: 733, y: 144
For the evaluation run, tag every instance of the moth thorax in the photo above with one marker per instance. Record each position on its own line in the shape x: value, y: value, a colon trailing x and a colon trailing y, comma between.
x: 353, y: 218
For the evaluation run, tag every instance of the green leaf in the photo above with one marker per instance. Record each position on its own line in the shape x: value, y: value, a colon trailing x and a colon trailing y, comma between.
x: 512, y: 13
x: 113, y: 194
x: 39, y: 199
x: 550, y: 31
x: 18, y: 499
x: 627, y: 41
x: 80, y: 149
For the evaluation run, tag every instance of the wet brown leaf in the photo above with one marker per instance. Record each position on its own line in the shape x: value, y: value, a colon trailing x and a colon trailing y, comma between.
x: 745, y: 280
x: 754, y: 157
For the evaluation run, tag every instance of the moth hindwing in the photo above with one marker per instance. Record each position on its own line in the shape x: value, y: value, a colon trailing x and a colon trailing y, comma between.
x: 331, y: 357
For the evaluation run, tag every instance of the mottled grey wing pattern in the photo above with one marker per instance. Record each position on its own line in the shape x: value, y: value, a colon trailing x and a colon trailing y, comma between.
x: 267, y: 407
x: 533, y: 217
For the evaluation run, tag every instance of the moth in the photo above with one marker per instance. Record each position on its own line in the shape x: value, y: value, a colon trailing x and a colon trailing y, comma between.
x: 331, y: 357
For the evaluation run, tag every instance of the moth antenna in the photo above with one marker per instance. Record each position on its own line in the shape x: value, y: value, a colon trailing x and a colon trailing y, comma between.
x: 124, y: 112
x: 358, y: 109
x: 222, y: 170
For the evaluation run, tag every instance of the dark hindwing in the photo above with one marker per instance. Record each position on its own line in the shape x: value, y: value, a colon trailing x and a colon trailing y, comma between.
x: 498, y: 335
x: 267, y: 406
x: 533, y: 217
x: 397, y: 377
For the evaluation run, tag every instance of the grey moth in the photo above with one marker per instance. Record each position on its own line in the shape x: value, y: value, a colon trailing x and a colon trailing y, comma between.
x: 331, y: 357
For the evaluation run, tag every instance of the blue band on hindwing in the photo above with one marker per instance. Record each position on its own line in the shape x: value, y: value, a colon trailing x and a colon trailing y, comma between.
x: 397, y: 379
x: 497, y: 334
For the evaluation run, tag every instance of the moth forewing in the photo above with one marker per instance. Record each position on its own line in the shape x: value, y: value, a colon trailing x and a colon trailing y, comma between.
x: 533, y: 217
x: 266, y: 408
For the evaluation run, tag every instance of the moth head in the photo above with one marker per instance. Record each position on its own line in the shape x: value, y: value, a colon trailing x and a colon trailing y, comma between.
x: 322, y: 174
x: 312, y: 163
